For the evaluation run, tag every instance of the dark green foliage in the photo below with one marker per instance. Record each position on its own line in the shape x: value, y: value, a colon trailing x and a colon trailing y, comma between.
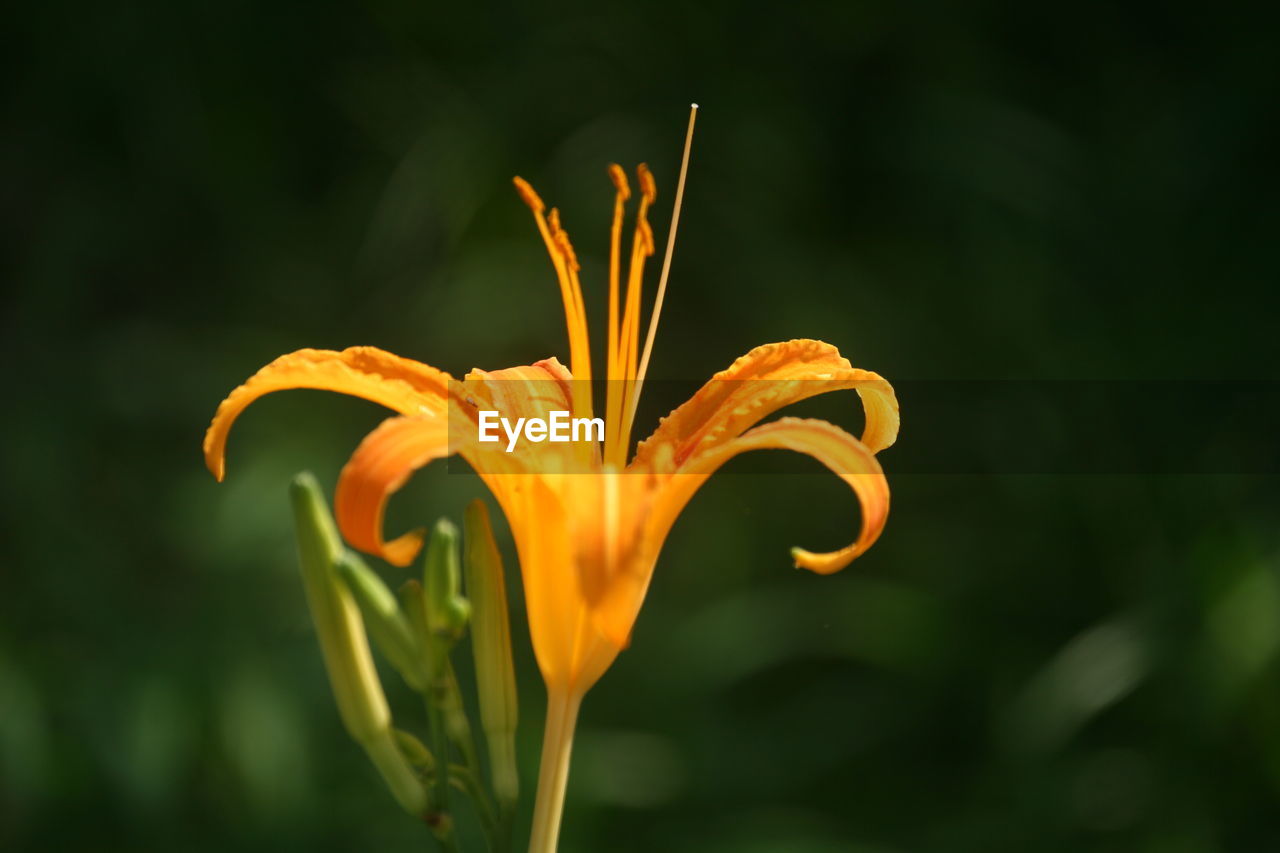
x: 949, y: 191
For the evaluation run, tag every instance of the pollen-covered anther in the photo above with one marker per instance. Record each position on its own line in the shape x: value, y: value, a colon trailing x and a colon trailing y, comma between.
x: 528, y: 195
x: 648, y: 188
x: 619, y: 178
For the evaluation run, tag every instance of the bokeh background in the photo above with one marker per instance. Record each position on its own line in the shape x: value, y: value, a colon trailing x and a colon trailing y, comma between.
x: 1052, y: 661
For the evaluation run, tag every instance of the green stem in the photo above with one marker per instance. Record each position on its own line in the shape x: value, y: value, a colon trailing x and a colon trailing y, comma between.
x: 468, y: 783
x: 553, y: 775
x: 503, y: 830
x: 440, y: 821
x: 456, y: 722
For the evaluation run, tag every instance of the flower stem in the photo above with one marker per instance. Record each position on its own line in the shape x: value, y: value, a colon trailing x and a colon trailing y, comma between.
x: 440, y: 821
x: 557, y: 744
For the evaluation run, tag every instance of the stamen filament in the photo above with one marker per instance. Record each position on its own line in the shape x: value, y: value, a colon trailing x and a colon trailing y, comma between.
x: 581, y: 372
x: 566, y: 266
x: 641, y: 249
x: 613, y: 392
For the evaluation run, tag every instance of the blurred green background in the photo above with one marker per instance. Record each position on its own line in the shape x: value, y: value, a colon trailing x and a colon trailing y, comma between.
x: 945, y: 191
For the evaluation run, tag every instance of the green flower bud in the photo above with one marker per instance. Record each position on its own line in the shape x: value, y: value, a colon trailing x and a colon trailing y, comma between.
x: 387, y: 624
x: 352, y: 675
x: 441, y: 688
x: 413, y: 603
x: 447, y: 611
x: 491, y: 644
x: 354, y: 679
x: 415, y: 750
x: 413, y: 600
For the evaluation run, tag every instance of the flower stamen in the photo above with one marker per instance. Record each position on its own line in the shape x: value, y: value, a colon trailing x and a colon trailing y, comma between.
x: 629, y: 340
x: 565, y: 262
x: 613, y: 392
x: 626, y: 367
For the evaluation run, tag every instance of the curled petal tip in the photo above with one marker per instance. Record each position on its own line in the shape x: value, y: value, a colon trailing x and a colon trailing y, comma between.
x: 823, y: 564
x: 383, y: 463
x: 402, y: 550
x: 214, y: 459
x: 400, y: 384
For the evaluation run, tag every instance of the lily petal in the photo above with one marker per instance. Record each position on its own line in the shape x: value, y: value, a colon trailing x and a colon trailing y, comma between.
x: 618, y: 542
x: 759, y: 383
x: 380, y: 466
x: 531, y: 391
x: 389, y: 455
x: 615, y: 597
x: 407, y: 386
x: 846, y: 457
x: 840, y: 452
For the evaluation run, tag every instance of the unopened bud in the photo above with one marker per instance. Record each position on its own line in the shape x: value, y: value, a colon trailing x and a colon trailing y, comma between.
x: 352, y: 675
x: 414, y: 750
x: 386, y: 622
x: 446, y: 610
x: 491, y: 643
x: 356, y: 688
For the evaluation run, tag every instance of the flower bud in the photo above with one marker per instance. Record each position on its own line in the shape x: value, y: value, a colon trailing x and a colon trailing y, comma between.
x: 413, y: 603
x: 491, y: 644
x: 352, y: 676
x: 415, y: 750
x: 356, y: 687
x: 446, y: 610
x: 442, y: 690
x: 386, y: 622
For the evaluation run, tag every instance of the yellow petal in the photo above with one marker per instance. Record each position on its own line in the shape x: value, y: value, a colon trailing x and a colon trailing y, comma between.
x: 616, y: 545
x: 761, y: 382
x: 615, y: 599
x: 528, y: 391
x: 844, y: 455
x: 389, y: 455
x: 407, y: 386
x: 379, y: 467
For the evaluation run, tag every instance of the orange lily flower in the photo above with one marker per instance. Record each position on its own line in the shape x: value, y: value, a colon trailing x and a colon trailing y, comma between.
x: 588, y: 524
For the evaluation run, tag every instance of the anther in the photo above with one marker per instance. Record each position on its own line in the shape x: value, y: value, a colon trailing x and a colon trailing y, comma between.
x: 647, y: 185
x: 619, y: 178
x: 530, y: 197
